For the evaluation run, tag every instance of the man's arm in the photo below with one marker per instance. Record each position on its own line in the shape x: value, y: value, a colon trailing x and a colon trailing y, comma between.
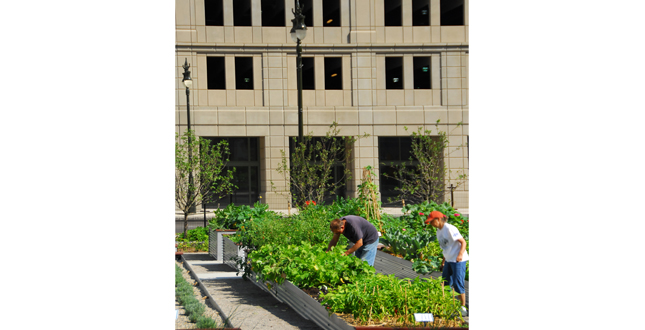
x: 358, y: 244
x: 333, y: 241
x: 462, y: 250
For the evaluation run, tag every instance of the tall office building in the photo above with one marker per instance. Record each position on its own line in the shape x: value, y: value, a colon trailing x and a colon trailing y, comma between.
x: 372, y: 66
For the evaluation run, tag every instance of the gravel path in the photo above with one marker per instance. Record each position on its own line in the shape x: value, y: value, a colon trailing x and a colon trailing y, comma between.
x: 182, y: 321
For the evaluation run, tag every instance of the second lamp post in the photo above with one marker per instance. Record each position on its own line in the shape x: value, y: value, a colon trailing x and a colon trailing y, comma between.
x: 298, y: 33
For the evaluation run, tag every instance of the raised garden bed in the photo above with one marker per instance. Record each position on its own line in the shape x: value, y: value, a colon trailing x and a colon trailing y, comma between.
x: 215, y: 242
x: 302, y: 302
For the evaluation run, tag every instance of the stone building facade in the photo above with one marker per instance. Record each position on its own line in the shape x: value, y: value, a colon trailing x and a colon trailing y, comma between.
x: 372, y: 66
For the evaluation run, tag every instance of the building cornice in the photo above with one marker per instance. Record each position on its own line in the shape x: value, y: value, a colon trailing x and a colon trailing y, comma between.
x: 323, y: 48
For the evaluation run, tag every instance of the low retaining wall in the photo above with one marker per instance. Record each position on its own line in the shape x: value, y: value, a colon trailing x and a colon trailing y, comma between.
x: 216, y: 242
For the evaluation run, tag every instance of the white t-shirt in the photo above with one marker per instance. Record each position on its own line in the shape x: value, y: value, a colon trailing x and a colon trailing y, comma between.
x: 447, y: 237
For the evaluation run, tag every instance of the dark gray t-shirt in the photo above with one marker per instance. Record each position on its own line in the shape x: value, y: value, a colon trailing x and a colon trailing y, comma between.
x: 357, y: 228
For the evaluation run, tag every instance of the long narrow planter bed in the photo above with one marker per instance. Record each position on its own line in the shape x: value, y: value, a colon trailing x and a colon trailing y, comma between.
x: 388, y: 264
x: 306, y: 306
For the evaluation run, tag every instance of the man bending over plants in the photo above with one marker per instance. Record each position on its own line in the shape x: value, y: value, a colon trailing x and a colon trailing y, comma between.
x: 360, y: 232
x: 455, y: 256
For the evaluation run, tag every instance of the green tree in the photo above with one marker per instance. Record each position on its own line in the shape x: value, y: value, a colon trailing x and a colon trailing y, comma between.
x: 422, y: 178
x: 206, y: 164
x: 310, y: 171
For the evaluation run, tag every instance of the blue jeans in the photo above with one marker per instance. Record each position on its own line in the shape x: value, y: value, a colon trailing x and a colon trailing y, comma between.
x: 454, y: 274
x: 367, y: 252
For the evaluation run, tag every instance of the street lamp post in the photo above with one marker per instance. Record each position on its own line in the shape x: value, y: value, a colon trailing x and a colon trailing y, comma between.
x: 298, y: 33
x: 188, y: 82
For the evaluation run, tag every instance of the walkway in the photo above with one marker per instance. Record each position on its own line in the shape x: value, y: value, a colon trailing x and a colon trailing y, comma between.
x: 247, y: 306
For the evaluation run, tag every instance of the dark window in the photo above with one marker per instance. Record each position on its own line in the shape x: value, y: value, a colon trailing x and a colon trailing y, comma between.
x: 308, y: 11
x: 333, y: 73
x: 242, y: 12
x: 308, y: 73
x: 216, y: 72
x: 331, y: 12
x: 422, y: 72
x: 244, y: 72
x: 337, y: 174
x: 214, y: 12
x: 452, y: 12
x: 392, y: 12
x: 394, y: 72
x: 420, y: 12
x: 392, y: 151
x: 244, y: 158
x: 273, y: 13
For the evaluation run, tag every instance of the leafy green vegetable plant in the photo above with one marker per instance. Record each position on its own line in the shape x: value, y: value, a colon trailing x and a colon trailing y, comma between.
x: 379, y: 298
x: 407, y: 244
x: 308, y: 266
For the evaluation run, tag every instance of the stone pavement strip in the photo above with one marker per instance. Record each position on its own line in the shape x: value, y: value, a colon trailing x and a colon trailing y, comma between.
x: 247, y: 306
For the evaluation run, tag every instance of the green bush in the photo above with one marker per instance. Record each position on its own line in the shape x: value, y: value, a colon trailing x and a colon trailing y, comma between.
x: 233, y: 217
x: 204, y: 322
x: 195, y: 238
x: 186, y: 297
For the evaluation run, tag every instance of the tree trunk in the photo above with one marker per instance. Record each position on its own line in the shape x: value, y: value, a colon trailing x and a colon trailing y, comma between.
x: 185, y: 224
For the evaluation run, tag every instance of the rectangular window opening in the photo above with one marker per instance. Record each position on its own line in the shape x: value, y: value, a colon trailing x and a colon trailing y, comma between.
x: 242, y: 12
x: 273, y: 13
x: 333, y: 73
x: 393, y: 13
x: 216, y: 72
x: 244, y: 72
x: 308, y: 73
x: 420, y: 12
x: 308, y: 11
x: 394, y: 72
x: 214, y: 12
x: 244, y: 158
x: 331, y: 12
x: 422, y: 72
x: 452, y: 12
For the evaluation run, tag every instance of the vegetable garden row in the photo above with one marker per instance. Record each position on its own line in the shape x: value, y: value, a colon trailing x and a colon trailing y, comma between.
x: 292, y: 249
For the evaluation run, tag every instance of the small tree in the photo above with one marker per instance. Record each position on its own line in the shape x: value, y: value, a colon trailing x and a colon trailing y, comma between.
x: 206, y: 164
x: 310, y: 173
x: 423, y: 178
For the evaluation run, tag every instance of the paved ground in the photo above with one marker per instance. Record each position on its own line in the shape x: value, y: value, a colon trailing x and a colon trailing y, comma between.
x: 248, y: 306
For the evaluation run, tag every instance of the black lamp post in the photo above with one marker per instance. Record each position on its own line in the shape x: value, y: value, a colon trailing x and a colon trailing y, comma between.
x: 298, y: 33
x: 188, y: 82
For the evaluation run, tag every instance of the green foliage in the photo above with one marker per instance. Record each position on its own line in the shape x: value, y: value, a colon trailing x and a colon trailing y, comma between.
x: 370, y: 205
x: 379, y: 297
x: 407, y: 243
x: 231, y: 217
x: 199, y: 172
x: 204, y: 322
x: 308, y: 266
x: 195, y: 238
x: 186, y: 297
x: 422, y: 178
x: 309, y: 169
x: 414, y: 218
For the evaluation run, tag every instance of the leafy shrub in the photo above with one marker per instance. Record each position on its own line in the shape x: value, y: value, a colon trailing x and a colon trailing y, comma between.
x: 419, y: 212
x: 232, y: 217
x: 308, y: 266
x: 407, y: 243
x: 204, y: 322
x: 195, y: 239
x: 379, y: 297
x: 310, y: 225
